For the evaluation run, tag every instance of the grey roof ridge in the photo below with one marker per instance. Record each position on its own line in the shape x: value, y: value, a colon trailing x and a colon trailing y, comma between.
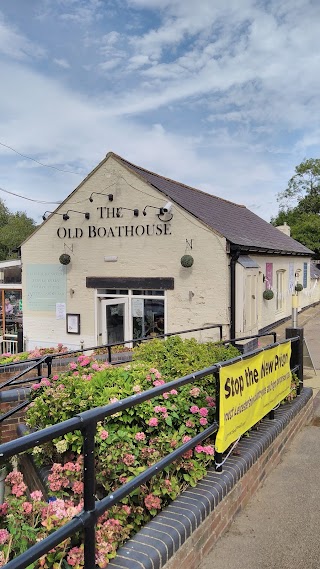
x: 117, y: 156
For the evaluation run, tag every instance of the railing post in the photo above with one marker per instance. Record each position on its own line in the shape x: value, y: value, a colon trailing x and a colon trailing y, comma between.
x: 49, y: 365
x: 109, y: 354
x: 20, y: 340
x: 217, y: 455
x: 296, y: 353
x: 89, y: 493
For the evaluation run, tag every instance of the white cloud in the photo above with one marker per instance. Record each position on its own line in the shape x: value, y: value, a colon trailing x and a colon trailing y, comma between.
x: 62, y: 63
x: 15, y: 45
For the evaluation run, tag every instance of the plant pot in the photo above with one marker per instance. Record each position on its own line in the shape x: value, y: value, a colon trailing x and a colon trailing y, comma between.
x: 268, y: 294
x: 187, y: 261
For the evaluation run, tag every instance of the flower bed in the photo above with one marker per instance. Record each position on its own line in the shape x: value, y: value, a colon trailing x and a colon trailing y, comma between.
x: 8, y: 358
x: 126, y: 444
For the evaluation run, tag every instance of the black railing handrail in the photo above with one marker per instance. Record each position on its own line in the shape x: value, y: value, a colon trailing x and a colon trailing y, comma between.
x: 86, y: 422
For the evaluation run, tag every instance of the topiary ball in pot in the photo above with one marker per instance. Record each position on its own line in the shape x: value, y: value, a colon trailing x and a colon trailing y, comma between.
x: 64, y: 259
x: 186, y: 261
x: 298, y: 287
x: 268, y: 294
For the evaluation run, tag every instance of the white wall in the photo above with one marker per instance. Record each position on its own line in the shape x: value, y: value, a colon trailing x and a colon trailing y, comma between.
x: 144, y: 256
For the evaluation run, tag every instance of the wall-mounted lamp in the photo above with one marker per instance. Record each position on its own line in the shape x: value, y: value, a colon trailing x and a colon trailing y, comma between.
x: 65, y: 216
x: 53, y: 213
x: 162, y: 210
x: 109, y: 196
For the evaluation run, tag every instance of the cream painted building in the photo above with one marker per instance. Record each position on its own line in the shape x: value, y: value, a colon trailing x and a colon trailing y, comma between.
x: 123, y: 233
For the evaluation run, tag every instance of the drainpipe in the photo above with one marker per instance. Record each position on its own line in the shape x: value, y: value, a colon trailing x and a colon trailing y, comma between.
x: 234, y: 258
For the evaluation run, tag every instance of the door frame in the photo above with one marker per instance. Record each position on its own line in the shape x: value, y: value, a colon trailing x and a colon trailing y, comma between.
x: 103, y: 319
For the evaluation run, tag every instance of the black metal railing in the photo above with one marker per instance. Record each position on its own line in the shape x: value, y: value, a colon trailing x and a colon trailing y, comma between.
x: 86, y: 422
x: 48, y: 358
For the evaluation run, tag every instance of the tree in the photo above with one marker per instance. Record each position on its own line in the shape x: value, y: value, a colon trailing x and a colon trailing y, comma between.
x: 300, y: 205
x: 304, y: 186
x: 14, y: 229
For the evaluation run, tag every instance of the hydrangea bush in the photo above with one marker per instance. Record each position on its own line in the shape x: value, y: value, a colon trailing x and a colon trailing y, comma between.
x: 126, y: 444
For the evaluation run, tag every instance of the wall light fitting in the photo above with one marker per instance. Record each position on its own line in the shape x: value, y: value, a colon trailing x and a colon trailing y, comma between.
x: 66, y: 216
x: 52, y: 212
x: 109, y: 196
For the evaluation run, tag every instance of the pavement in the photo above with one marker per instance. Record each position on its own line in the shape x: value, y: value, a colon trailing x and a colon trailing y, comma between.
x: 280, y: 527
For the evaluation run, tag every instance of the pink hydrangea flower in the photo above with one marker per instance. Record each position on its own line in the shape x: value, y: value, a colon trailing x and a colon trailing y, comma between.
x: 27, y: 507
x: 157, y: 375
x: 78, y: 487
x: 75, y: 373
x: 152, y: 502
x: 173, y: 392
x: 186, y: 439
x: 203, y: 421
x: 36, y: 495
x: 189, y: 423
x: 194, y: 409
x: 203, y: 412
x: 140, y: 436
x: 73, y: 365
x: 208, y: 450
x: 114, y: 399
x: 195, y: 391
x: 4, y: 536
x: 153, y: 370
x: 95, y: 366
x: 165, y: 395
x: 199, y: 448
x: 55, y: 377
x: 159, y: 409
x: 148, y: 377
x: 36, y: 386
x: 129, y: 459
x: 158, y: 382
x: 104, y: 435
x: 4, y: 510
x: 153, y: 422
x: 136, y: 388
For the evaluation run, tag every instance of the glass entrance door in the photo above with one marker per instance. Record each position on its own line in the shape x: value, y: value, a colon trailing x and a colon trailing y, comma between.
x: 115, y: 319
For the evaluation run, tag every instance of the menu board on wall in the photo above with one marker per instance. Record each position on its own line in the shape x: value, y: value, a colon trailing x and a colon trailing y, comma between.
x: 46, y: 286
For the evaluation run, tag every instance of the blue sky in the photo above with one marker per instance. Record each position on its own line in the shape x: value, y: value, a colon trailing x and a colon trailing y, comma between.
x: 224, y: 98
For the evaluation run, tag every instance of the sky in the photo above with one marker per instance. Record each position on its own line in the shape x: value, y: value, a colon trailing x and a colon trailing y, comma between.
x: 222, y: 96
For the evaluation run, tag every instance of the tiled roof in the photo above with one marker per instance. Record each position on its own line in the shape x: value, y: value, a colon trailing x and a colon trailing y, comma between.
x: 236, y: 223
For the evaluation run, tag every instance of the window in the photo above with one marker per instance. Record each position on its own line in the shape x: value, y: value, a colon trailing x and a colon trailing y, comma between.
x: 147, y: 317
x: 280, y: 291
x: 305, y: 275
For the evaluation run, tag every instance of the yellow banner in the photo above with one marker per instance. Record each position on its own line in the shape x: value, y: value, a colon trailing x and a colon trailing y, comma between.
x: 249, y: 390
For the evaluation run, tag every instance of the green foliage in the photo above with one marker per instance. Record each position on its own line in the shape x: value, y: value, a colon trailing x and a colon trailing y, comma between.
x: 300, y: 205
x: 175, y: 357
x: 14, y: 229
x: 305, y: 182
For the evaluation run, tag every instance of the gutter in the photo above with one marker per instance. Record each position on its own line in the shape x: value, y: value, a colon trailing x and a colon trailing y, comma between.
x: 233, y: 261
